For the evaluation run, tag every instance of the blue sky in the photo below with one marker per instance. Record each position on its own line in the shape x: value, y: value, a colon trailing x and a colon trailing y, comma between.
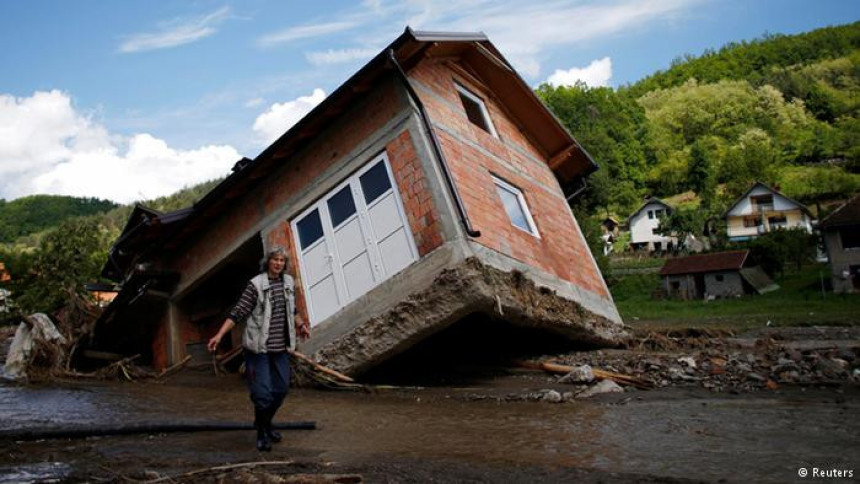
x: 132, y: 100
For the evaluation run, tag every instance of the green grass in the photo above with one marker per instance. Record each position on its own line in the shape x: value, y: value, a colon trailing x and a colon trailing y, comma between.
x: 635, y: 261
x: 798, y: 302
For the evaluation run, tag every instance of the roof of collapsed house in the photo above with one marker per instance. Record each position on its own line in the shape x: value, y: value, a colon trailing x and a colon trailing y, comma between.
x: 847, y: 214
x: 694, y: 264
x: 147, y: 228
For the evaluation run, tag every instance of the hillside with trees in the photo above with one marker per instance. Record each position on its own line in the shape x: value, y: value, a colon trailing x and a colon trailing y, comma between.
x: 28, y: 215
x: 781, y: 109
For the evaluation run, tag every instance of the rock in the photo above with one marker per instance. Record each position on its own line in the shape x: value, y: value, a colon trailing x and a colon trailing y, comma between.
x: 676, y: 373
x: 829, y: 367
x: 783, y: 365
x: 604, y: 386
x: 552, y: 396
x: 755, y: 377
x: 687, y: 360
x: 580, y: 374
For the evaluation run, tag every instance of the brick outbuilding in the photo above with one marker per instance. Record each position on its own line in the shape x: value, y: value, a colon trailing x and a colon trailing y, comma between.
x: 430, y: 186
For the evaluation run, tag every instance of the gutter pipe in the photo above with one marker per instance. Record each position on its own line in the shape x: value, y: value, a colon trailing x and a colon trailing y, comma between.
x: 437, y: 149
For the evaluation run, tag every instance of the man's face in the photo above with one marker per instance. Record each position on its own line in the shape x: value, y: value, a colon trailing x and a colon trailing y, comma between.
x: 277, y: 263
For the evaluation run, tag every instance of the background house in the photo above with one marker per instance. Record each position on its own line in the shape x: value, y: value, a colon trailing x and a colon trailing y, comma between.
x: 431, y: 186
x: 713, y: 276
x: 643, y: 224
x: 763, y: 209
x: 841, y: 231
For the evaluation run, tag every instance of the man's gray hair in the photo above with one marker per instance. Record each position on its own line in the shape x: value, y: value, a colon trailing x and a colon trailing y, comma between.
x: 276, y: 250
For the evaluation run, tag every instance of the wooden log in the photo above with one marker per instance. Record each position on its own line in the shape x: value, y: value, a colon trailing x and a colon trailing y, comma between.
x: 599, y: 374
x: 328, y: 371
x: 102, y: 355
x: 170, y: 370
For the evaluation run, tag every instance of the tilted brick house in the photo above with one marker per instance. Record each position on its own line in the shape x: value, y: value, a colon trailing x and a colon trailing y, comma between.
x: 431, y: 185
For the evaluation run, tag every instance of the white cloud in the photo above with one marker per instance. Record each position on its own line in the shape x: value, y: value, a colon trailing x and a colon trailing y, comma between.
x: 176, y: 32
x: 597, y: 74
x: 339, y: 56
x: 526, y: 31
x: 46, y: 146
x: 304, y: 32
x: 280, y: 117
x: 254, y: 102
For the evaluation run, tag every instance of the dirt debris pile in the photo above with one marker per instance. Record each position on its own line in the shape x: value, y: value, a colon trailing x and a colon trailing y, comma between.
x: 727, y: 364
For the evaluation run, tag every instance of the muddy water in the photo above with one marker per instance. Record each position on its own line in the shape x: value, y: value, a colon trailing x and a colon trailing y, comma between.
x: 762, y: 438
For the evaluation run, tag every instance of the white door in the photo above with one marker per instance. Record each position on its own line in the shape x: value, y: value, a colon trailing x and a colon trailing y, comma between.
x: 351, y: 243
x: 317, y: 269
x: 352, y: 239
x: 390, y: 233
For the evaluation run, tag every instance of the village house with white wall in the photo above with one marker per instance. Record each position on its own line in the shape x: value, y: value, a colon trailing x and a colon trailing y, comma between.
x: 763, y: 209
x: 644, y: 223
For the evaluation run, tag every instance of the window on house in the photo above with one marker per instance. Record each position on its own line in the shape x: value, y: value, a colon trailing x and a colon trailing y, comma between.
x: 658, y: 213
x: 515, y: 206
x: 310, y: 229
x: 650, y: 215
x: 752, y: 221
x: 719, y: 277
x: 850, y: 237
x: 476, y: 110
x: 762, y: 203
x: 777, y: 221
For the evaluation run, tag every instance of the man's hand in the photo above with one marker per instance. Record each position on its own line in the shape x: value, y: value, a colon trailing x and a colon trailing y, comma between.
x: 304, y: 329
x: 213, y: 343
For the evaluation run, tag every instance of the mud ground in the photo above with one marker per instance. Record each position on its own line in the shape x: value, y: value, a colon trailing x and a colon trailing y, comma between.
x: 466, y: 429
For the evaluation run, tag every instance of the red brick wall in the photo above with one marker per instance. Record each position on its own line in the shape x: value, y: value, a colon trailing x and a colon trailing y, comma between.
x: 560, y: 250
x: 420, y: 206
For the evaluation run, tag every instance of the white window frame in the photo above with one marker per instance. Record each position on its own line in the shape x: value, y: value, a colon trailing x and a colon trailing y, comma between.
x: 483, y: 108
x: 521, y: 200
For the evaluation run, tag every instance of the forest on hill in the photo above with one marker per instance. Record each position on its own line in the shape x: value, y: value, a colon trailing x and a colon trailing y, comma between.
x: 783, y: 110
x: 28, y: 215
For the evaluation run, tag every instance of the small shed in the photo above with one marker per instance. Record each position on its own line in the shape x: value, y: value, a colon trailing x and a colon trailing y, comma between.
x: 714, y: 276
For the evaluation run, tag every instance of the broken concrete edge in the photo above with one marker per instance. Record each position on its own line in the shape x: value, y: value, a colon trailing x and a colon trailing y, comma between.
x: 467, y: 288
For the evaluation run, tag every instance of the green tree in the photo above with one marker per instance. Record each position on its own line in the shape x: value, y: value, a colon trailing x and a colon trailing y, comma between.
x: 682, y: 222
x: 702, y: 172
x: 774, y: 250
x: 66, y: 259
x: 610, y: 126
